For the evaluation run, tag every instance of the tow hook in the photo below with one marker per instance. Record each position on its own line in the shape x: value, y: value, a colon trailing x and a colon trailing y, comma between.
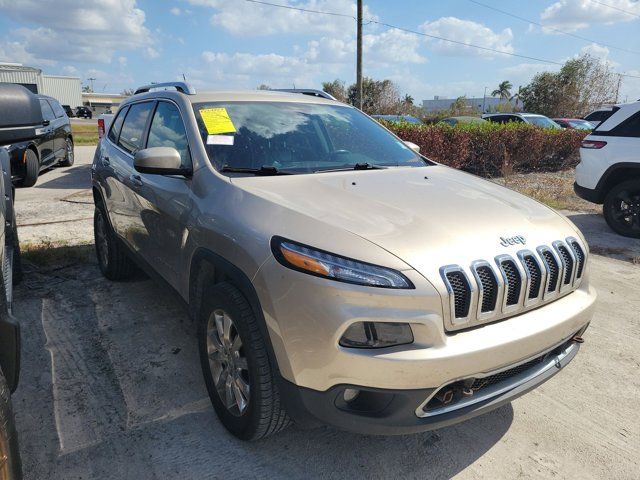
x: 445, y: 396
x: 577, y: 339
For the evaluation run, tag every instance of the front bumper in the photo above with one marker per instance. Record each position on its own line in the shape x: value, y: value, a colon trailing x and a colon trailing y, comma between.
x: 391, y: 412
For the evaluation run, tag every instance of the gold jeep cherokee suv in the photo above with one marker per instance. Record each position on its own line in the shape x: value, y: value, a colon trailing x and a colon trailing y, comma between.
x: 337, y: 276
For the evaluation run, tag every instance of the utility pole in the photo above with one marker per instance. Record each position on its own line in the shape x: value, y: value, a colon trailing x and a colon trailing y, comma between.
x: 359, y: 54
x: 484, y: 99
x: 91, y: 80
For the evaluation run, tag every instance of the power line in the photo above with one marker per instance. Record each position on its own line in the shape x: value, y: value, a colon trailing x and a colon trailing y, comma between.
x: 415, y: 32
x: 299, y: 9
x: 552, y: 28
x: 616, y: 8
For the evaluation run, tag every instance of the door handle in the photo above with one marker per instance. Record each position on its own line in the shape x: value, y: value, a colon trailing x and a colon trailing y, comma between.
x: 136, y: 180
x: 106, y: 162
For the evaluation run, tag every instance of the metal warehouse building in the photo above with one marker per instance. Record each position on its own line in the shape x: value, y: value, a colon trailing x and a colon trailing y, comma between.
x: 64, y: 89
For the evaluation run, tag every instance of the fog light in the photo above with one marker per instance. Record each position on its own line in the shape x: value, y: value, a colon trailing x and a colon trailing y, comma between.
x: 350, y: 394
x: 376, y: 335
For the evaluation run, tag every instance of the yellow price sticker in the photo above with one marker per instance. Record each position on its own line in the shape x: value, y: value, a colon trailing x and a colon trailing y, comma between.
x: 217, y: 120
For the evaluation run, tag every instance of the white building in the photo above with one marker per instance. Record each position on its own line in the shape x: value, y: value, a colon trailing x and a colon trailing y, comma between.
x: 473, y: 104
x: 66, y: 90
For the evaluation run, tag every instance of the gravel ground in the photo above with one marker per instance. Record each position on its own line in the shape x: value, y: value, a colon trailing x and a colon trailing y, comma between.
x: 111, y: 385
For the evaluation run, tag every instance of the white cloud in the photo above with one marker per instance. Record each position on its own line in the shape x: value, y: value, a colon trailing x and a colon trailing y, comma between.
x: 574, y: 15
x: 68, y: 30
x: 176, y: 11
x: 466, y: 31
x: 246, y: 18
x: 391, y: 47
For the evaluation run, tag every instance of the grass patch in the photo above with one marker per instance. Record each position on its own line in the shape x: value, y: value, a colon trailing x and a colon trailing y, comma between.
x: 84, y: 134
x: 48, y: 253
x: 553, y: 189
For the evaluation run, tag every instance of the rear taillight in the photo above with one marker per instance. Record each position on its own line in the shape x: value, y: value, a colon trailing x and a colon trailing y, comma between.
x: 100, y: 127
x: 593, y: 144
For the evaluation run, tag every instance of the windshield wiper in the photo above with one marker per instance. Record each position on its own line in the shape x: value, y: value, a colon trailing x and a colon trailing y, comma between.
x: 264, y: 171
x: 357, y: 166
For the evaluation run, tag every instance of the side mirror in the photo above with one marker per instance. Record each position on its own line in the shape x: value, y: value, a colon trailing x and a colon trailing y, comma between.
x: 160, y: 161
x: 412, y: 146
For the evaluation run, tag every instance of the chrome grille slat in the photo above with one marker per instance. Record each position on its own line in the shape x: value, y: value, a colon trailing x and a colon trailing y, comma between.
x: 490, y: 291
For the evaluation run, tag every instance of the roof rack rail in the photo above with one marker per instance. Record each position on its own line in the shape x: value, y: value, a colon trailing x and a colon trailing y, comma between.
x: 306, y: 91
x: 182, y: 87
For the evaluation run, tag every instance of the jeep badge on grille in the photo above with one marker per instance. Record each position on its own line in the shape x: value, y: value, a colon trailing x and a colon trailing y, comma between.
x: 518, y: 239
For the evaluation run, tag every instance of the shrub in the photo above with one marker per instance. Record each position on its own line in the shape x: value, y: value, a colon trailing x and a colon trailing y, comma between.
x: 492, y: 150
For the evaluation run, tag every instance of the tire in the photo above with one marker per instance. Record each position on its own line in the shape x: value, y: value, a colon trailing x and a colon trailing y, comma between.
x: 113, y: 260
x: 16, y: 261
x: 263, y: 414
x: 31, y: 169
x: 69, y: 156
x: 10, y: 465
x: 622, y: 208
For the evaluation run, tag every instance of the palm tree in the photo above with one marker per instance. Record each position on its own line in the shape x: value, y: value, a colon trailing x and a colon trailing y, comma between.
x: 517, y: 97
x: 503, y: 91
x: 408, y: 100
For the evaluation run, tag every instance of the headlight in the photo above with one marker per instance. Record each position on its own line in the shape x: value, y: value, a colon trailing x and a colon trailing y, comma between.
x: 323, y: 264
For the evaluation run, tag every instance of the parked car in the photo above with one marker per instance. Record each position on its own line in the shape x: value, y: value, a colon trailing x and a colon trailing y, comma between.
x: 574, y: 123
x: 84, y: 112
x: 68, y: 111
x: 531, y: 118
x: 52, y: 146
x: 600, y: 115
x: 397, y: 118
x: 324, y: 291
x: 20, y: 114
x: 453, y: 121
x: 609, y: 169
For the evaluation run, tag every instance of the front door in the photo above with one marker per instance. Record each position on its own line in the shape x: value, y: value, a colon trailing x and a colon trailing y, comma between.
x: 47, y: 134
x: 164, y: 201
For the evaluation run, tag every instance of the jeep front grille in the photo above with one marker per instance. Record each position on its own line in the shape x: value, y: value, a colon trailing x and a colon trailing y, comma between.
x: 512, y: 285
x: 461, y: 292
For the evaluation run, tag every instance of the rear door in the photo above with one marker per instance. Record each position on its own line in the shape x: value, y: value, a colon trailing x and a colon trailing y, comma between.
x: 46, y: 139
x: 120, y: 159
x: 164, y: 201
x: 61, y: 129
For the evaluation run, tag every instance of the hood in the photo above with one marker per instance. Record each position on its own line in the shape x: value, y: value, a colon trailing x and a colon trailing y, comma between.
x: 427, y: 216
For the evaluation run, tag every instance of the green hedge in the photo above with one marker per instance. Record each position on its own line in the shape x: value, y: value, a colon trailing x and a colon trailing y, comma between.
x: 493, y: 150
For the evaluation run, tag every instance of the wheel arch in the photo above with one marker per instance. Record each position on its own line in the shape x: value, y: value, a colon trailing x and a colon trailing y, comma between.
x: 615, y: 174
x: 209, y: 268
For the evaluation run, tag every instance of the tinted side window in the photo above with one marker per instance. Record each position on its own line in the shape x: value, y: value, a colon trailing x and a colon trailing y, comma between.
x: 116, y: 125
x: 57, y: 108
x: 167, y: 130
x: 47, y: 111
x: 132, y: 133
x: 629, y: 128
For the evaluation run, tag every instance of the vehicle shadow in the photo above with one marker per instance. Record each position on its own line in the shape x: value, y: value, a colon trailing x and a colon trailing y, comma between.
x: 604, y: 241
x: 111, y: 388
x: 76, y: 177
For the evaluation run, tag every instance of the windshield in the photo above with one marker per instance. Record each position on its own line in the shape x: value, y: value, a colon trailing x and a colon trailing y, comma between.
x: 297, y: 138
x: 581, y: 125
x: 542, y: 121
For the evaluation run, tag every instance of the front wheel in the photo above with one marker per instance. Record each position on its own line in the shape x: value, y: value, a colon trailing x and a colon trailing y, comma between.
x: 68, y: 154
x: 622, y: 208
x: 238, y: 374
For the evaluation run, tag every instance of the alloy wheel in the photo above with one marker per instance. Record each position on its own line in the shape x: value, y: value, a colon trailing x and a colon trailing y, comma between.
x: 626, y: 209
x: 227, y: 362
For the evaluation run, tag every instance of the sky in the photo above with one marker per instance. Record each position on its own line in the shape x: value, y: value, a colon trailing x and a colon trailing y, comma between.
x: 239, y: 44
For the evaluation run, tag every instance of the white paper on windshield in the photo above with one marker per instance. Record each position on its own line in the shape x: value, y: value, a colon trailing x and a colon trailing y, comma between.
x: 220, y: 140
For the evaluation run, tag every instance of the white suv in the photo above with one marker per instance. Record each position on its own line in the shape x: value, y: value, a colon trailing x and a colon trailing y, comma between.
x: 609, y: 169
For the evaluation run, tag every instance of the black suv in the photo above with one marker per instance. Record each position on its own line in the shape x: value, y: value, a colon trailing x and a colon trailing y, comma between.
x: 52, y: 146
x: 84, y: 112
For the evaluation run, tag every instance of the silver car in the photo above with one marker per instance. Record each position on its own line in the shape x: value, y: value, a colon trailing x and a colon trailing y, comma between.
x: 336, y: 275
